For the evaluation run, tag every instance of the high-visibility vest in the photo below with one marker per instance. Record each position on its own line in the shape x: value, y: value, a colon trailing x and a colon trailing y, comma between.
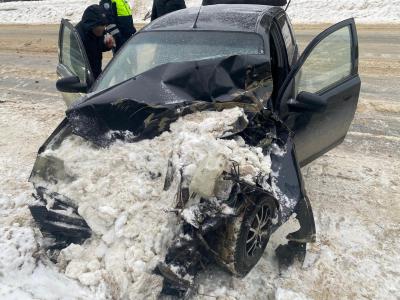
x: 123, y: 8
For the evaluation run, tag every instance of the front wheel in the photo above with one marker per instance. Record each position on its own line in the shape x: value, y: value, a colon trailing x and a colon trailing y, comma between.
x: 242, y: 243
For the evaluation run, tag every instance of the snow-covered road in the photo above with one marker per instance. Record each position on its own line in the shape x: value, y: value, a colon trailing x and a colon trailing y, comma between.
x: 355, y: 190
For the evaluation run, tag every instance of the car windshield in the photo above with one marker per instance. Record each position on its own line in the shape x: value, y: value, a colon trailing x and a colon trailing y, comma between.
x: 151, y: 49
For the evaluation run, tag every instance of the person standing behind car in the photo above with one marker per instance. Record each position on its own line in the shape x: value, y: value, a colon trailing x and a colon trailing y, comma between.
x: 91, y: 30
x: 163, y: 7
x: 119, y: 14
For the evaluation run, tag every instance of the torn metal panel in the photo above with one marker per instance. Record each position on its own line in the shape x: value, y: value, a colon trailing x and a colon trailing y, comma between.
x: 58, y: 218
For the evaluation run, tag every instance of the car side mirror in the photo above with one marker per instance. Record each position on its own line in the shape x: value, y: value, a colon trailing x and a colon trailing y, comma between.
x: 308, y: 102
x: 71, y: 84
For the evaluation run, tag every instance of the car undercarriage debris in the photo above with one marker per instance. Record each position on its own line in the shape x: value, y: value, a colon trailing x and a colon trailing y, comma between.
x: 191, y: 251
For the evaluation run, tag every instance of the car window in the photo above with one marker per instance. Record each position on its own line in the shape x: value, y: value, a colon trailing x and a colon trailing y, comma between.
x: 329, y: 62
x: 150, y: 49
x: 71, y: 54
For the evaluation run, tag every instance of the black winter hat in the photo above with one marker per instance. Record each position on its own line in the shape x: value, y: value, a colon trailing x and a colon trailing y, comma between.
x: 94, y: 16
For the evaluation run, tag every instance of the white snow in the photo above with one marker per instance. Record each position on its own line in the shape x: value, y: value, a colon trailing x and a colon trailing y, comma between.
x: 120, y: 195
x: 301, y: 11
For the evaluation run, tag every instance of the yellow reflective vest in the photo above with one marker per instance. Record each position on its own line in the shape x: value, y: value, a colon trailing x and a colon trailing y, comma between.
x: 123, y: 8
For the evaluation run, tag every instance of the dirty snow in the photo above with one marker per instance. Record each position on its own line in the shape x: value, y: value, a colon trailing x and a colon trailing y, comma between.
x: 301, y: 11
x: 120, y: 195
x: 25, y: 272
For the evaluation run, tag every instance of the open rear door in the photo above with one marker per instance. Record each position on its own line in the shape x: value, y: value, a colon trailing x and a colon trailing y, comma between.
x: 319, y: 97
x: 72, y: 61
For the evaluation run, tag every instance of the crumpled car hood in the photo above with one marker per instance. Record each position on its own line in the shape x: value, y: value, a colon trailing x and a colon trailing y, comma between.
x: 147, y: 104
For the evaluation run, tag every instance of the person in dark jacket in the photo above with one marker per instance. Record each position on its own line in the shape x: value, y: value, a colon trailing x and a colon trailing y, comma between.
x: 91, y: 30
x: 163, y: 7
x: 120, y: 18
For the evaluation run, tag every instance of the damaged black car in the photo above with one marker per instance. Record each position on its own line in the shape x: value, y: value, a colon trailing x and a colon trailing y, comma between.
x: 212, y: 58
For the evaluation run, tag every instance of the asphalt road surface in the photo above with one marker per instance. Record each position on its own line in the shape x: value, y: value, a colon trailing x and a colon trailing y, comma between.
x: 354, y: 189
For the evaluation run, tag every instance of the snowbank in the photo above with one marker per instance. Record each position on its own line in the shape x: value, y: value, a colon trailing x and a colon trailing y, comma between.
x: 301, y: 11
x: 325, y: 11
x: 52, y: 11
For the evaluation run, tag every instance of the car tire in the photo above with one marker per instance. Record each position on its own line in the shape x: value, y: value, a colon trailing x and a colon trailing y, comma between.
x: 243, y: 241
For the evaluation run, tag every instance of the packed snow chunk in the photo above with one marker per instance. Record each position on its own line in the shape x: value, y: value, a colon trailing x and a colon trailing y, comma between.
x: 121, y: 193
x: 207, y: 173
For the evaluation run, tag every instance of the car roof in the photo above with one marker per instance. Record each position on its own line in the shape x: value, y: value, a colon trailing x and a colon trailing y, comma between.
x: 225, y: 17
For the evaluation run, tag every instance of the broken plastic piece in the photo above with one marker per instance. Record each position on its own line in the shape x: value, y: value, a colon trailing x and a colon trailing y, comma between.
x: 289, y: 253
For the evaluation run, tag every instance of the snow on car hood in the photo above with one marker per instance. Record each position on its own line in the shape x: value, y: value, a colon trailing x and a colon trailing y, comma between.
x: 120, y: 194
